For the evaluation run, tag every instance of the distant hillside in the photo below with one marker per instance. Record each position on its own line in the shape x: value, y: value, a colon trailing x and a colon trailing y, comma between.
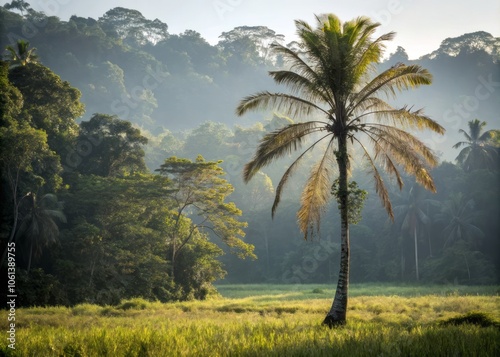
x: 130, y: 66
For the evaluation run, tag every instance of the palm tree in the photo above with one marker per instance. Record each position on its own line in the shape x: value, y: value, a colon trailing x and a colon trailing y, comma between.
x: 38, y: 228
x: 330, y: 76
x: 22, y: 54
x: 411, y: 210
x: 479, y: 151
x: 459, y: 214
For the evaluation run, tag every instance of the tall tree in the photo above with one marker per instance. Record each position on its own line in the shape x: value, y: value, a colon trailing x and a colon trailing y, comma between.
x: 411, y: 211
x: 330, y: 76
x: 479, y: 151
x: 199, y: 194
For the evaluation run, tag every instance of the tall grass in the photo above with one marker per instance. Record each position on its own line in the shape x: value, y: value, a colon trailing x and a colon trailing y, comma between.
x: 260, y: 325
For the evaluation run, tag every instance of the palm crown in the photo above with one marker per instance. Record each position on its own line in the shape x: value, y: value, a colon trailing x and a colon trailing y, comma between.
x: 331, y: 76
x: 479, y: 151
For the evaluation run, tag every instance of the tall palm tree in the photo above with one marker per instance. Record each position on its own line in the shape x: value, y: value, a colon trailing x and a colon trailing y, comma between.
x: 22, y: 54
x: 330, y: 77
x: 38, y: 228
x: 479, y: 151
x: 411, y: 210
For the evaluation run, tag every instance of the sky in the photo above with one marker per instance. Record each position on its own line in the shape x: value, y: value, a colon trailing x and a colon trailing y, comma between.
x: 420, y: 25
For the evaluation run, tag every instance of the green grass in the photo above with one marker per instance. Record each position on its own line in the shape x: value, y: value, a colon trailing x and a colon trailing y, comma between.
x: 268, y: 321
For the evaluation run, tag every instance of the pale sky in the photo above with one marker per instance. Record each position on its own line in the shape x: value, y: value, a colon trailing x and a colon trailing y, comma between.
x: 420, y: 25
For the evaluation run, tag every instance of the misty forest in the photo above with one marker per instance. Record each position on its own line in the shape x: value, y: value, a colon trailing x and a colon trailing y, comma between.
x: 141, y: 165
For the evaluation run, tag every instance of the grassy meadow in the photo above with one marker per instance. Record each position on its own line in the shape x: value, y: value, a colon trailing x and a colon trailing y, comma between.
x: 271, y: 320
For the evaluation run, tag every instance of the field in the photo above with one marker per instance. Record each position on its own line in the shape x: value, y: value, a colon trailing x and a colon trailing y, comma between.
x: 270, y: 320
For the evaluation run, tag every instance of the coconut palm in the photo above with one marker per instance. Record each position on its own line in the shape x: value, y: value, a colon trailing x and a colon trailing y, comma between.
x: 38, y: 228
x: 460, y: 215
x: 479, y: 151
x: 330, y: 77
x: 412, y: 212
x: 22, y: 54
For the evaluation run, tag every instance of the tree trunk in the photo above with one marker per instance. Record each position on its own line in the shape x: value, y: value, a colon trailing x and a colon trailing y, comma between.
x: 337, y: 314
x: 416, y: 250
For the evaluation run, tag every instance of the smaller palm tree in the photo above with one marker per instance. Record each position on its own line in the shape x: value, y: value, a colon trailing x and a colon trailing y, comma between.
x: 22, y: 54
x: 412, y: 211
x: 479, y: 151
x: 459, y: 214
x: 38, y: 228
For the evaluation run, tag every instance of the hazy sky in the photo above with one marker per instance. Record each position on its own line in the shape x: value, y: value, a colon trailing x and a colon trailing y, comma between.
x: 420, y: 25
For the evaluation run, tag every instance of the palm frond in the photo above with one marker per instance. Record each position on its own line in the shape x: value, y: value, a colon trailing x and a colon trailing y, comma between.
x: 300, y: 84
x: 398, y: 78
x: 284, y: 103
x: 380, y: 188
x: 279, y: 143
x: 316, y: 193
x: 403, y: 117
x: 288, y: 173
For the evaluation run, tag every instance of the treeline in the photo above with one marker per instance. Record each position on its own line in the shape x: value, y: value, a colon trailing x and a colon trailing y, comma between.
x: 103, y: 228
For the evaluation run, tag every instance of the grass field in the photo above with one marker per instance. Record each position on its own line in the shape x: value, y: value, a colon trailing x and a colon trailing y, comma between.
x: 270, y: 320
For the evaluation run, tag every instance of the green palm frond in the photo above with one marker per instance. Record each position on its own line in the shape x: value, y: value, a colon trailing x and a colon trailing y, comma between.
x: 316, y: 193
x: 460, y: 143
x: 300, y: 84
x: 285, y: 103
x: 398, y: 78
x: 279, y: 143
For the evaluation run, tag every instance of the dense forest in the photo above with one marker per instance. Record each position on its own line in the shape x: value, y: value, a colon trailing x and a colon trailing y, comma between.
x: 121, y: 161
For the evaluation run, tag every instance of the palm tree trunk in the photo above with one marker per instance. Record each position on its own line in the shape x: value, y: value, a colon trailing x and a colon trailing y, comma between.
x: 337, y: 314
x: 416, y: 249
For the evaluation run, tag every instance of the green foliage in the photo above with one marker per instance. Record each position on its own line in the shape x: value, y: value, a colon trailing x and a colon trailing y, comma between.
x: 113, y: 147
x: 51, y: 103
x: 356, y: 200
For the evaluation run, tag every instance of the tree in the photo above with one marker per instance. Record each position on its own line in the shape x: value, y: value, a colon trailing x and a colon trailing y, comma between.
x: 52, y: 104
x: 199, y: 194
x: 22, y: 55
x: 411, y: 211
x: 479, y: 151
x: 38, y: 228
x: 330, y: 77
x: 459, y: 214
x: 110, y: 146
x: 26, y: 164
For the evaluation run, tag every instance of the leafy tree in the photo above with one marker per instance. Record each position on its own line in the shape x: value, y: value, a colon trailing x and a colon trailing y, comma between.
x: 200, y: 193
x: 331, y: 77
x: 11, y: 100
x: 132, y: 27
x: 479, y: 151
x: 52, y: 104
x: 27, y: 164
x: 110, y: 147
x: 22, y: 54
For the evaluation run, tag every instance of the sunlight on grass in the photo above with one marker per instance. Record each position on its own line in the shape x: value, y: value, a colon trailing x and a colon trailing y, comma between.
x: 272, y: 322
